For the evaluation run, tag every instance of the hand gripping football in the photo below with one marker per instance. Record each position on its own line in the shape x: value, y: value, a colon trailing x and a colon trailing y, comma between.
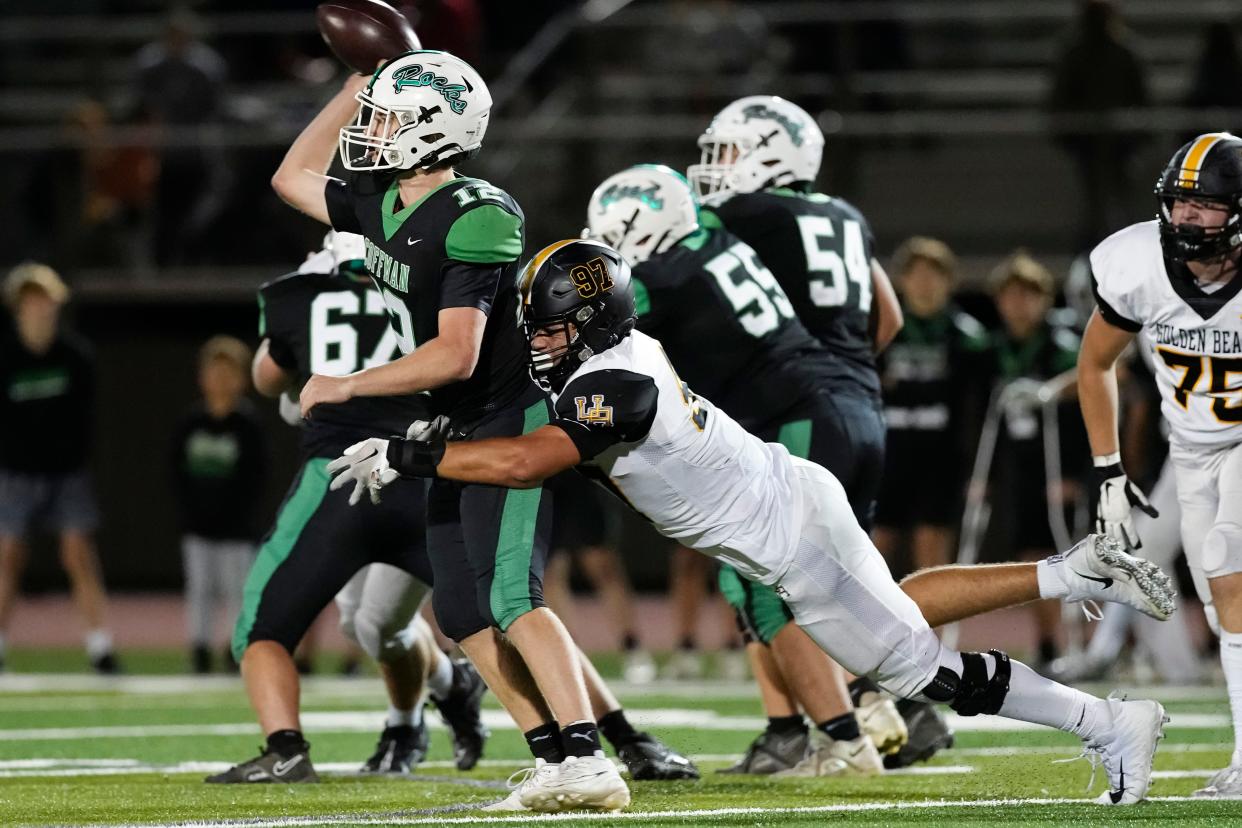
x: 364, y: 33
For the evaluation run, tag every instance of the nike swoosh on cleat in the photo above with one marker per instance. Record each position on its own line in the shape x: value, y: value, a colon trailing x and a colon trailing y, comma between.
x: 281, y: 768
x: 1107, y: 582
x: 1116, y: 795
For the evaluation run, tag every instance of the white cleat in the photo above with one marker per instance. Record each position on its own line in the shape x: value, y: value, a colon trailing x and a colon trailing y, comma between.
x: 1127, y: 752
x: 1224, y: 784
x: 1097, y: 568
x: 829, y: 757
x: 522, y: 781
x: 879, y: 718
x: 640, y: 667
x: 580, y: 782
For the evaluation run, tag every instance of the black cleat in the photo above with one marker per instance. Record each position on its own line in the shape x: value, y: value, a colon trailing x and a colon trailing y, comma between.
x: 646, y: 757
x: 929, y: 734
x: 460, y: 711
x: 400, y: 748
x: 268, y: 767
x: 200, y: 660
x: 772, y: 752
x: 106, y: 664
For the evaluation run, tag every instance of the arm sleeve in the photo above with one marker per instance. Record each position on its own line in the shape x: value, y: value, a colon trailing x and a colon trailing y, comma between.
x: 465, y: 285
x: 1114, y: 303
x: 340, y: 200
x: 603, y: 408
x: 487, y: 234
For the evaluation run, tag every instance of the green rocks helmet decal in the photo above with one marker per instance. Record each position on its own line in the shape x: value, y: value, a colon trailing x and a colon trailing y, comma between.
x: 415, y: 76
x: 791, y: 126
x: 647, y: 195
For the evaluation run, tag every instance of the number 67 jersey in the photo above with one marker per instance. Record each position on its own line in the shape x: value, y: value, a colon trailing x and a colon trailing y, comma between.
x: 1195, y: 335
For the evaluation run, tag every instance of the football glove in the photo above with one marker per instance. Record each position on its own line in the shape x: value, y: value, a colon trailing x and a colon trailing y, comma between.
x: 1118, y: 495
x: 364, y: 464
x: 428, y: 431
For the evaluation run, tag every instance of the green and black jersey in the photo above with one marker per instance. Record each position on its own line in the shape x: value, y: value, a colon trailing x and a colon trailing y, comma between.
x: 931, y: 368
x: 820, y: 250
x: 458, y: 246
x: 319, y: 323
x: 729, y: 328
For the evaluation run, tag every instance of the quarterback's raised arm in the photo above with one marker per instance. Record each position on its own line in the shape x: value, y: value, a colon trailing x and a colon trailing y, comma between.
x: 1102, y: 344
x: 300, y: 179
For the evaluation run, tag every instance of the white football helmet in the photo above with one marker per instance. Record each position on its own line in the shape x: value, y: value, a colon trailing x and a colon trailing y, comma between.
x: 642, y: 211
x: 419, y: 108
x: 756, y: 142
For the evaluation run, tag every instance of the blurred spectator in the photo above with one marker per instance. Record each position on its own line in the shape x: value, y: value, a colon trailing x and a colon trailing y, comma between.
x: 180, y: 85
x: 1098, y: 75
x: 218, y: 469
x: 933, y: 377
x: 1029, y: 349
x: 1218, y: 72
x: 47, y: 390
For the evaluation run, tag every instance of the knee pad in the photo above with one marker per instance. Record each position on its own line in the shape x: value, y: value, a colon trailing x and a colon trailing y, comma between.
x: 1222, y: 550
x: 972, y: 692
x: 379, y: 638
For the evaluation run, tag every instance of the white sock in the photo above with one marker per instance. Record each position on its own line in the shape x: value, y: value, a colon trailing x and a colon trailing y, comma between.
x: 1231, y: 663
x: 1033, y: 698
x: 98, y: 643
x: 440, y: 679
x: 398, y: 717
x: 1051, y: 584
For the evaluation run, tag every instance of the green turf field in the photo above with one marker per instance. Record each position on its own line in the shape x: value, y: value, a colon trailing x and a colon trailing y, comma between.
x: 78, y: 750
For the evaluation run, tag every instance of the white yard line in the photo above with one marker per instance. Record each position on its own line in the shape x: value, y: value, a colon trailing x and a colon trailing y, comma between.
x: 366, y: 721
x: 446, y: 819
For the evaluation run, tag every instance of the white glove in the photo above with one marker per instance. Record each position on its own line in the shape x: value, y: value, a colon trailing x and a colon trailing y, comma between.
x: 366, y: 464
x: 427, y: 431
x: 1118, y: 496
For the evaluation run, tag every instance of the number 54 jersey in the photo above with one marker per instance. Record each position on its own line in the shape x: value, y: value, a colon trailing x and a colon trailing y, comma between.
x: 1195, y: 335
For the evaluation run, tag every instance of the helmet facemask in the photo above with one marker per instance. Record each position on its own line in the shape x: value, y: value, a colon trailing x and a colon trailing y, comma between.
x: 714, y: 178
x: 1192, y: 242
x: 550, y: 369
x: 372, y: 141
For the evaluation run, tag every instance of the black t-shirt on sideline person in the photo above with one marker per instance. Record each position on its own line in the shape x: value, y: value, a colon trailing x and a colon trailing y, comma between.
x: 218, y: 469
x: 46, y: 403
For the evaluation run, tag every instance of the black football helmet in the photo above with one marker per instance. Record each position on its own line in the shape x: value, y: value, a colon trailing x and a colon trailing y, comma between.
x: 1209, y: 168
x: 584, y: 287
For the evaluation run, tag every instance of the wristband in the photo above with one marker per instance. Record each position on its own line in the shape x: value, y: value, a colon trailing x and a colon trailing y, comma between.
x: 1101, y: 460
x: 415, y: 458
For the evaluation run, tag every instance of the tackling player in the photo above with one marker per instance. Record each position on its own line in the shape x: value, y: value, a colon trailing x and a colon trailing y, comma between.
x: 628, y: 421
x: 1175, y: 279
x: 326, y: 318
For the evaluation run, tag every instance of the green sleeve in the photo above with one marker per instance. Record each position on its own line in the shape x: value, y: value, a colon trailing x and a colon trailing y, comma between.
x: 642, y: 299
x: 485, y: 235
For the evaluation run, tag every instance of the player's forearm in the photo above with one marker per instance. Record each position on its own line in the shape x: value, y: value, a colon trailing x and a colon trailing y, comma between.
x: 312, y: 151
x: 889, y: 319
x: 1097, y: 396
x: 431, y: 365
x: 497, y: 462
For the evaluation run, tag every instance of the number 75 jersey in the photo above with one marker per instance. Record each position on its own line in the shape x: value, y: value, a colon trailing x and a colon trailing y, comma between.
x: 1195, y: 336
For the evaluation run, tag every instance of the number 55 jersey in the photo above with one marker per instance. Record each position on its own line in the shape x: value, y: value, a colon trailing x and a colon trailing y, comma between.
x: 1195, y: 334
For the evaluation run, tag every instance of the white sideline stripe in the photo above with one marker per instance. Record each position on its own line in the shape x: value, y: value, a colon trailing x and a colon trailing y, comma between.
x: 27, y: 768
x: 358, y: 722
x: 1183, y: 747
x: 445, y: 819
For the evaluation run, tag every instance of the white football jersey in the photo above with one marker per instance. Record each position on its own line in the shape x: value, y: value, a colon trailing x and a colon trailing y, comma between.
x: 684, y: 464
x: 1195, y: 337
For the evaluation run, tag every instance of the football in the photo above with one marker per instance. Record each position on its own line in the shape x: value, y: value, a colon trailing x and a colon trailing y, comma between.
x: 363, y: 33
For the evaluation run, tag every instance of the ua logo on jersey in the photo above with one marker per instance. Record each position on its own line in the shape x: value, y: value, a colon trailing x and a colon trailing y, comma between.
x: 591, y: 279
x: 597, y: 414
